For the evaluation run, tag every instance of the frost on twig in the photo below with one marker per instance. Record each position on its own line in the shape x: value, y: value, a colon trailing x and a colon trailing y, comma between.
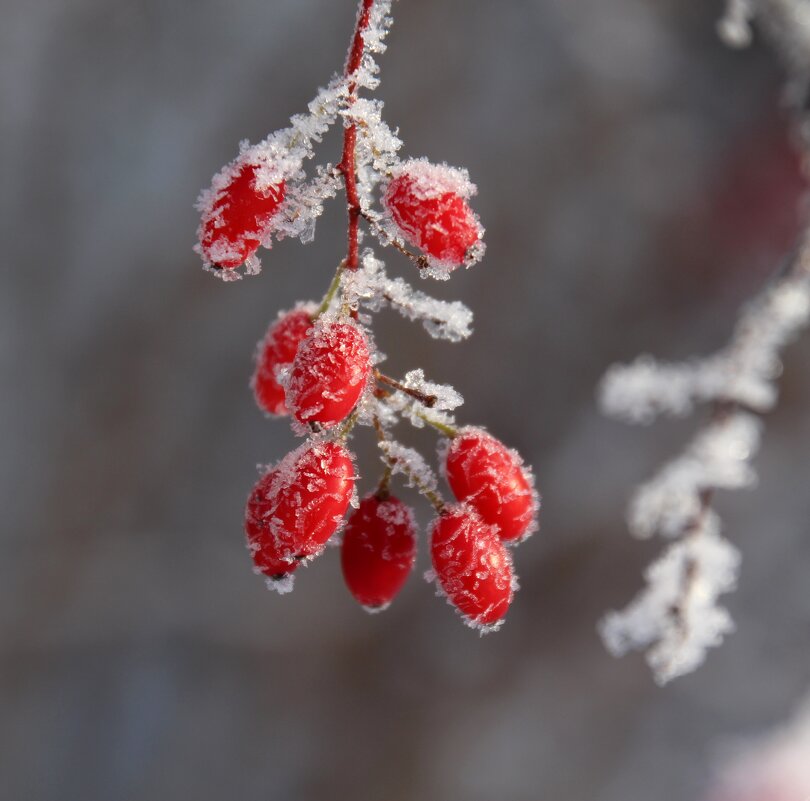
x: 717, y: 458
x: 676, y: 616
x: 371, y: 287
x: 742, y: 373
x: 675, y: 619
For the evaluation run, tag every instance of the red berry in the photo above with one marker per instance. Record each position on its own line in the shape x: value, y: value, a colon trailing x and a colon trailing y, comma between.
x: 235, y: 222
x: 329, y: 373
x: 296, y: 506
x: 492, y: 479
x: 378, y: 550
x: 472, y: 565
x: 275, y: 351
x: 428, y: 205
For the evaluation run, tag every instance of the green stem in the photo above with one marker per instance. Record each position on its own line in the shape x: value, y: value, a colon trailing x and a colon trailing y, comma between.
x: 347, y: 427
x: 330, y: 293
x: 434, y: 497
x: 447, y: 430
x: 383, y: 488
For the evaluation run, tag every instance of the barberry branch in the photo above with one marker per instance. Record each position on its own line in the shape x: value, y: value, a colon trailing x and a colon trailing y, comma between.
x: 331, y: 291
x: 675, y: 618
x: 424, y: 398
x: 317, y: 361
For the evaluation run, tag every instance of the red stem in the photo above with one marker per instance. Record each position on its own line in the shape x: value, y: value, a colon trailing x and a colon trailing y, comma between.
x: 347, y: 162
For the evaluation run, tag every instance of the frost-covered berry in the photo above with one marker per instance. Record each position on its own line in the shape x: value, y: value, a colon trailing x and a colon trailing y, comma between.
x: 277, y: 350
x: 492, y: 479
x: 473, y: 567
x: 378, y: 550
x: 428, y: 203
x: 297, y: 505
x: 236, y: 216
x: 329, y: 373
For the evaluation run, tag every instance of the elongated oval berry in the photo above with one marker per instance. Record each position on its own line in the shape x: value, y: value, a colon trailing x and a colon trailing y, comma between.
x: 492, y: 479
x: 277, y: 350
x: 236, y: 215
x: 428, y: 204
x: 329, y: 373
x: 472, y: 566
x: 378, y: 550
x: 297, y: 505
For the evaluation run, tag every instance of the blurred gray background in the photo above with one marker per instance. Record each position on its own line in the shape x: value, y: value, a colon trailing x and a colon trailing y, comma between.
x: 637, y: 184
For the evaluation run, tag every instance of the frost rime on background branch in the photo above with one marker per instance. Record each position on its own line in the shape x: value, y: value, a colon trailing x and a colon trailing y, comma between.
x: 675, y: 619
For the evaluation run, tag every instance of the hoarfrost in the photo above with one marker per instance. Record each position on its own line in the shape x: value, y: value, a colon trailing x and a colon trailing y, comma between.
x: 281, y: 585
x: 371, y: 287
x: 410, y: 463
x: 444, y: 397
x: 429, y: 180
x: 718, y: 458
x: 676, y: 617
x: 743, y: 372
x: 304, y: 204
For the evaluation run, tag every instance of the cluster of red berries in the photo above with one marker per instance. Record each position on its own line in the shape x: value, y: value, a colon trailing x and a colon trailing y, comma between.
x: 297, y: 506
x: 316, y: 371
x: 317, y: 364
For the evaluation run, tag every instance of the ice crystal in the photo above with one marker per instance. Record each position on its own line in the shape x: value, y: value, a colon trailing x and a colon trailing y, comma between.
x: 410, y: 463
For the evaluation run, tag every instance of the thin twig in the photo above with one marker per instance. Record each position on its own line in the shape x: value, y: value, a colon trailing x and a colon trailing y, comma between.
x: 426, y: 400
x: 392, y: 462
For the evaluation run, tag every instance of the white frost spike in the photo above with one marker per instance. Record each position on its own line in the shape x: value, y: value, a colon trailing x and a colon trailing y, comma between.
x: 446, y: 398
x: 717, y: 458
x: 304, y: 204
x: 282, y: 585
x: 371, y: 287
x: 676, y: 617
x: 374, y: 42
x: 378, y: 144
x: 410, y: 463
